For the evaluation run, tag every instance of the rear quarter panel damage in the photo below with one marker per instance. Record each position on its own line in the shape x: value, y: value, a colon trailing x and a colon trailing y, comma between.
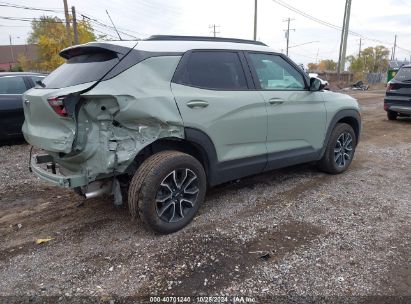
x: 121, y: 116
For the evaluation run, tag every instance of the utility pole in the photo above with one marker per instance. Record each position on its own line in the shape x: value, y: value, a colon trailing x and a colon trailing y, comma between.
x: 255, y: 19
x: 395, y: 46
x: 344, y: 37
x: 66, y: 14
x: 113, y: 25
x: 287, y: 33
x: 214, y: 29
x: 359, y: 50
x: 75, y: 30
x: 11, y: 49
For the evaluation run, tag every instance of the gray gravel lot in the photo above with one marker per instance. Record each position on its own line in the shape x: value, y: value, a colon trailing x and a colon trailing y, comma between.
x: 291, y: 232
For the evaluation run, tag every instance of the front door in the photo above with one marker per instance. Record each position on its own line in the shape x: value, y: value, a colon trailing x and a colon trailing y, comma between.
x: 296, y: 115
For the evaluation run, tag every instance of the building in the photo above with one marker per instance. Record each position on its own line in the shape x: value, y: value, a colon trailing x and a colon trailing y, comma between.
x: 9, y: 55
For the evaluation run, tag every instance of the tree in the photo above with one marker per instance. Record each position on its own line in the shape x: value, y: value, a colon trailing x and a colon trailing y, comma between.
x: 312, y: 66
x: 371, y: 60
x: 327, y: 65
x: 49, y: 34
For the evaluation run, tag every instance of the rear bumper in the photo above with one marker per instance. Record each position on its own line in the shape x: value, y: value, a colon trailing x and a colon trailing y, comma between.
x: 400, y: 109
x: 69, y: 181
x: 398, y: 104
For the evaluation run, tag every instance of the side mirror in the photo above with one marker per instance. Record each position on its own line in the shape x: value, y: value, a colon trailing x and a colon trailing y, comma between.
x: 315, y: 84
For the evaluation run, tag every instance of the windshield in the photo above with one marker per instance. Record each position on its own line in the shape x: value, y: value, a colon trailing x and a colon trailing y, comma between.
x: 81, y: 69
x: 404, y: 74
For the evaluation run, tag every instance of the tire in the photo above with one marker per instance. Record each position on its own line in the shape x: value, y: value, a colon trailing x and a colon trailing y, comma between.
x: 342, y: 138
x: 167, y: 190
x: 392, y: 115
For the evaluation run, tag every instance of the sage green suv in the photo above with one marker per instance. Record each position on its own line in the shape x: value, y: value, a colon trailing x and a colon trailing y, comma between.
x: 156, y: 122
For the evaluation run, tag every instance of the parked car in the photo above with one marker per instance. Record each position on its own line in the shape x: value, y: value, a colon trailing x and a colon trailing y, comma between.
x: 12, y: 86
x: 323, y: 82
x: 167, y: 117
x: 397, y: 101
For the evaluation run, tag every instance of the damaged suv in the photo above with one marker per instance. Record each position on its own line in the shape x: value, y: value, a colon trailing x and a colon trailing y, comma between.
x: 163, y: 119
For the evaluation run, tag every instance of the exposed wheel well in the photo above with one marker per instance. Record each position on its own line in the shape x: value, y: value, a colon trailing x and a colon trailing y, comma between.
x: 353, y: 123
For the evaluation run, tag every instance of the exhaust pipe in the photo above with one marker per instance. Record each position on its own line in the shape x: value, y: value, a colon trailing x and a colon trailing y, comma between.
x: 97, y: 189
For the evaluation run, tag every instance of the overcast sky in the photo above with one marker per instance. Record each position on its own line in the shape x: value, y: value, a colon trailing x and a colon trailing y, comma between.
x: 378, y: 20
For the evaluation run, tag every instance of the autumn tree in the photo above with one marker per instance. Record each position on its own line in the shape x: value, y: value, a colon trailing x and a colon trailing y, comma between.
x: 49, y: 34
x: 371, y: 60
x: 312, y: 66
x: 327, y: 65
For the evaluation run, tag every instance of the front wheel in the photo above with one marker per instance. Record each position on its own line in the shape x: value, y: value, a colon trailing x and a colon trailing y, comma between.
x: 340, y: 150
x: 167, y: 190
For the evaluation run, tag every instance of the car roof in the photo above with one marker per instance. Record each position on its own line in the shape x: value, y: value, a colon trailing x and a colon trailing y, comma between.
x: 21, y: 74
x: 180, y: 44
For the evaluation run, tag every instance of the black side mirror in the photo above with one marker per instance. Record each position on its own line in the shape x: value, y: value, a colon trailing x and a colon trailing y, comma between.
x: 315, y: 84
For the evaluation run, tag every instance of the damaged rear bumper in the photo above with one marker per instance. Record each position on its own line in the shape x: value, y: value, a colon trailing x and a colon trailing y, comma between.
x: 37, y: 164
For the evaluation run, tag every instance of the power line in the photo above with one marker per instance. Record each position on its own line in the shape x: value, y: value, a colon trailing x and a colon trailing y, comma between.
x: 333, y: 26
x: 6, y: 4
x: 96, y: 21
x: 28, y: 19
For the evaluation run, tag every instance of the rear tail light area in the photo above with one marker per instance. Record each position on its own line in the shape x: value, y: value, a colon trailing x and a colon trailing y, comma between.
x: 57, y: 105
x: 391, y: 87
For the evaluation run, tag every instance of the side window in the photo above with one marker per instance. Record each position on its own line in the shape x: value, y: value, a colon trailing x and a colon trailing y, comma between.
x: 274, y: 73
x: 36, y: 78
x: 12, y: 85
x: 213, y: 70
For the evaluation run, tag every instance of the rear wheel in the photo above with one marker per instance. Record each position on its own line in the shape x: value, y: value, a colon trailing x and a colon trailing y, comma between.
x: 167, y: 190
x: 392, y: 115
x: 340, y: 150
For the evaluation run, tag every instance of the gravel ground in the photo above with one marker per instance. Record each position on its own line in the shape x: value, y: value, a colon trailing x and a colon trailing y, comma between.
x: 296, y: 233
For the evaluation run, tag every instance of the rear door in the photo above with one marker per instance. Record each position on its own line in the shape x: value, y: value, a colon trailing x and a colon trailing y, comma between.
x: 11, y: 104
x: 296, y: 116
x: 215, y: 96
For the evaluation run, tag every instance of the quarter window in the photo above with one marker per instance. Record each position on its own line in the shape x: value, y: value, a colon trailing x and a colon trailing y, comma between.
x: 12, y: 85
x: 213, y: 70
x: 274, y: 73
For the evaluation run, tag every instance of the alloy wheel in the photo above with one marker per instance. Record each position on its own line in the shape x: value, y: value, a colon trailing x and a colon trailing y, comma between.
x: 177, y: 195
x: 343, y: 150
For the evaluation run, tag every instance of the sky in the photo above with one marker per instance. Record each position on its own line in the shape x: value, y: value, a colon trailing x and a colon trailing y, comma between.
x: 309, y: 41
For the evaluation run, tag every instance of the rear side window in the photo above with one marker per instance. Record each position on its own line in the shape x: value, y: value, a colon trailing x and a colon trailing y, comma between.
x: 213, y: 70
x: 403, y: 74
x: 12, y: 85
x: 81, y: 69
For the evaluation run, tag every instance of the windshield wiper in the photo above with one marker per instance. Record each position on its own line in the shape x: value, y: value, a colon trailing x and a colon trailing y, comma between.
x: 40, y: 83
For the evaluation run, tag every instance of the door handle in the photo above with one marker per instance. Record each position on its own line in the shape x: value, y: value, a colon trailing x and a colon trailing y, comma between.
x: 275, y: 101
x: 197, y: 104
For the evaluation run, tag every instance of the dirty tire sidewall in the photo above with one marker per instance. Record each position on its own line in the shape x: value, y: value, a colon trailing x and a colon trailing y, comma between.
x: 159, y: 166
x: 327, y: 163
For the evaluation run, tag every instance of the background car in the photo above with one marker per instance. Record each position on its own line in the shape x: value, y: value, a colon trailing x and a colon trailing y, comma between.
x: 323, y: 82
x: 12, y: 86
x: 397, y: 101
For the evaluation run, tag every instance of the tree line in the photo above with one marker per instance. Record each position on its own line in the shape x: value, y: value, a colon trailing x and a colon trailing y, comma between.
x: 369, y: 60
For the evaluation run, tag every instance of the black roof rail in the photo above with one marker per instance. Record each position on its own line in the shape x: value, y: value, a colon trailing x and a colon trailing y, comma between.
x: 201, y: 38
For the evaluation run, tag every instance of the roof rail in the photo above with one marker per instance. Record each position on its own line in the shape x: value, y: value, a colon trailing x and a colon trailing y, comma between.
x: 201, y: 38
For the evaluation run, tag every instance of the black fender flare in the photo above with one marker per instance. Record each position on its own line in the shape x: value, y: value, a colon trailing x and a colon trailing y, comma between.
x: 350, y: 114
